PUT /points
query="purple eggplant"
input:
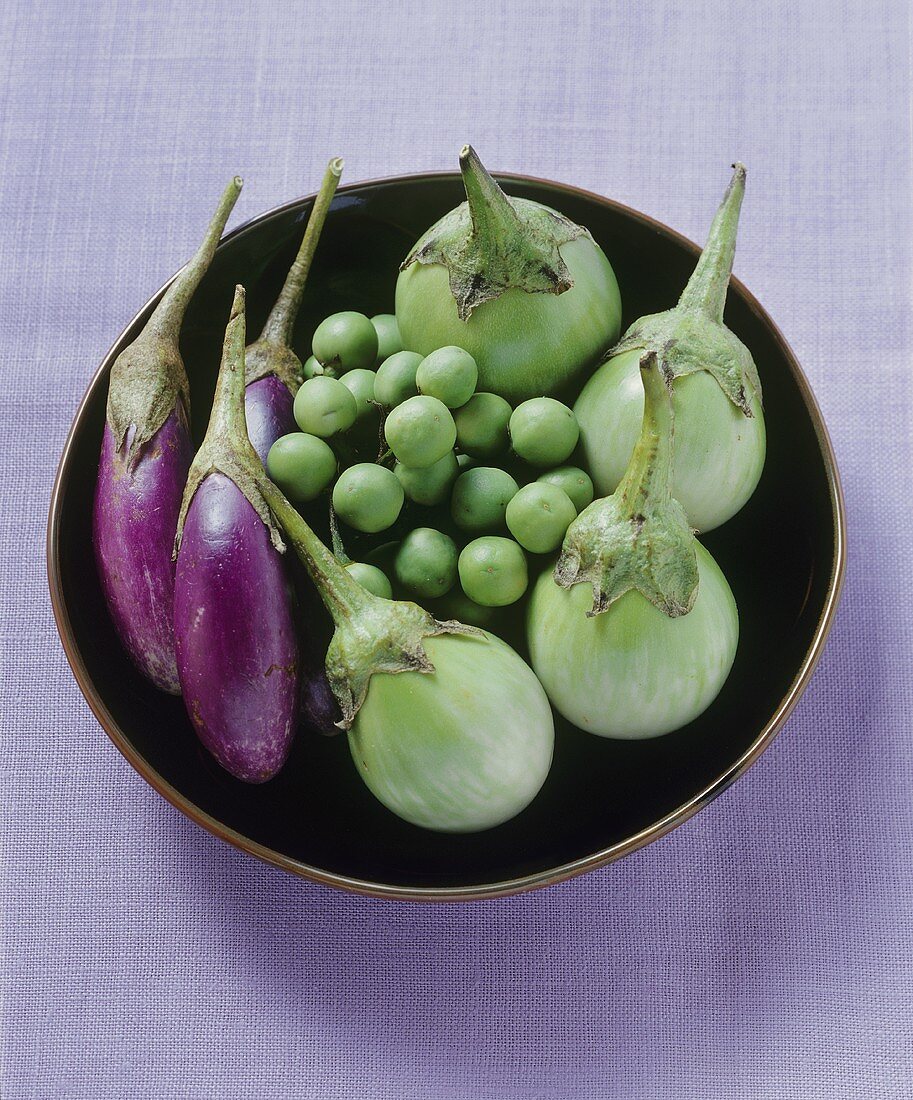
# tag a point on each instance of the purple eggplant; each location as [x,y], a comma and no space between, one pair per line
[319,708]
[272,369]
[273,373]
[145,457]
[269,405]
[236,644]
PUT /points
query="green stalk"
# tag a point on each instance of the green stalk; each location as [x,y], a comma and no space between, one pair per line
[372,636]
[494,220]
[227,420]
[691,337]
[638,539]
[165,322]
[647,482]
[342,595]
[491,244]
[281,321]
[339,550]
[148,379]
[706,289]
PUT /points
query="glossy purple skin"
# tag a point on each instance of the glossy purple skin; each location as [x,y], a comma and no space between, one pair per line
[268,407]
[237,650]
[319,708]
[133,523]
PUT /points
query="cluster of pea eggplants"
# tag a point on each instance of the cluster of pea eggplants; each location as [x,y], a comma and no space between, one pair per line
[631,633]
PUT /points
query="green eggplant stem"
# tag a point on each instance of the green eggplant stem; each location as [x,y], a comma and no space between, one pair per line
[706,289]
[165,322]
[639,537]
[647,481]
[281,320]
[372,635]
[227,419]
[493,217]
[491,244]
[343,596]
[148,380]
[692,337]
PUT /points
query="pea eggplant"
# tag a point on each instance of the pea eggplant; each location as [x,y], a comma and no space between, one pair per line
[273,370]
[145,457]
[720,440]
[634,634]
[236,644]
[529,294]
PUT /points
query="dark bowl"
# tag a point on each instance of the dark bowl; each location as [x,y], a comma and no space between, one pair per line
[783,555]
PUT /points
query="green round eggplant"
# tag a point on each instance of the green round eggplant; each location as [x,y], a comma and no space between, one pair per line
[461,749]
[632,672]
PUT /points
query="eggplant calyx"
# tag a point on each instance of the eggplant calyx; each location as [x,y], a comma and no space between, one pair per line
[638,538]
[689,342]
[148,382]
[220,459]
[491,243]
[692,337]
[266,357]
[148,377]
[226,448]
[386,637]
[617,552]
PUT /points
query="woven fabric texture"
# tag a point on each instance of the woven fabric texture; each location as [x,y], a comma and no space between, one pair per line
[764,949]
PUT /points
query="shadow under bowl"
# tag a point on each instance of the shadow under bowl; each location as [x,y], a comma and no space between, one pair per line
[783,555]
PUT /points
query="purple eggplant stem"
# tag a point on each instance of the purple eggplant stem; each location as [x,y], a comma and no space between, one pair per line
[268,404]
[133,523]
[236,645]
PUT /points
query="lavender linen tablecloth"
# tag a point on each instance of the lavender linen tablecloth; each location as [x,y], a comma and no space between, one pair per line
[762,950]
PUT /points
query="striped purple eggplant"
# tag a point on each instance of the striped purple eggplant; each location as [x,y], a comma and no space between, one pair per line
[145,457]
[272,369]
[236,644]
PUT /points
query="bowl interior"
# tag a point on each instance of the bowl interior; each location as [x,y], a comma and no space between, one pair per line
[316,816]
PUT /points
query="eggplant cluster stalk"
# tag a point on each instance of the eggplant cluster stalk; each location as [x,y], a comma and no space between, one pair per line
[394,669]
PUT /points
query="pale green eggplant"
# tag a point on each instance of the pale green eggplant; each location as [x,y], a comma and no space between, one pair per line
[720,440]
[635,633]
